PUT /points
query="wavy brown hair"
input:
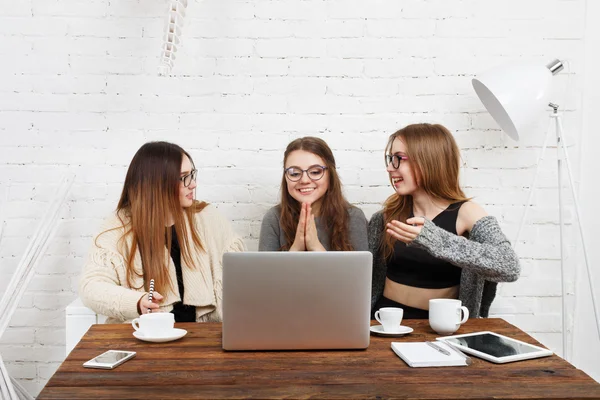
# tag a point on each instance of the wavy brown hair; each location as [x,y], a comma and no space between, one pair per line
[149,203]
[435,160]
[334,207]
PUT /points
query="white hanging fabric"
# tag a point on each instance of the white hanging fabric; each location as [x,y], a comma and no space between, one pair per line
[9,388]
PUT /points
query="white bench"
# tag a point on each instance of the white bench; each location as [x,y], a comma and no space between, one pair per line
[79,319]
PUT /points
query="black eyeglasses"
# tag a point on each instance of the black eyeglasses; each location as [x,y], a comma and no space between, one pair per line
[394,159]
[187,179]
[314,173]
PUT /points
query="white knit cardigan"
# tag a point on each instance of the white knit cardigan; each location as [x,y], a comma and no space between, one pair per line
[103,285]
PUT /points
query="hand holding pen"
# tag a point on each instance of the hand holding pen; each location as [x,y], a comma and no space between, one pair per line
[150,294]
[148,303]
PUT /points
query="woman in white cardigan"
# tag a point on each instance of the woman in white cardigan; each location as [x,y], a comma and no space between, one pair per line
[160,232]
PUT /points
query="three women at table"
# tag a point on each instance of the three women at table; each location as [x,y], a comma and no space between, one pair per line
[430,240]
[313,214]
[160,232]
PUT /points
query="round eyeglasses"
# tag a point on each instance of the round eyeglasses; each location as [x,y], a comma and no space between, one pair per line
[394,159]
[187,179]
[314,173]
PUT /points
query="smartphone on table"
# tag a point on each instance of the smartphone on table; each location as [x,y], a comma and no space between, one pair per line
[109,359]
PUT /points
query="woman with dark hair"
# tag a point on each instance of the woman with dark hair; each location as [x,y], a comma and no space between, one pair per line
[159,232]
[431,241]
[313,214]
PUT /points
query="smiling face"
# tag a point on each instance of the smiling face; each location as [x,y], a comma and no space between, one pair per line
[403,178]
[306,190]
[186,194]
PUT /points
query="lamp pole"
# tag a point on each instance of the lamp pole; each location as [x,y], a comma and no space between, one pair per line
[555,116]
[560,142]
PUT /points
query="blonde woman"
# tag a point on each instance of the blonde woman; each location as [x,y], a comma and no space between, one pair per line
[160,232]
[430,240]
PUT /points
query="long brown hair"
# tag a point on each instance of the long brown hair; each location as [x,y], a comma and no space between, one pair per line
[334,207]
[435,161]
[149,201]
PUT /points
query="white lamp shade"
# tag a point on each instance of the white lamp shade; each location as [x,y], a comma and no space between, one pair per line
[514,95]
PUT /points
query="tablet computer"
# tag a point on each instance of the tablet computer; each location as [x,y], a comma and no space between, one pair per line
[494,347]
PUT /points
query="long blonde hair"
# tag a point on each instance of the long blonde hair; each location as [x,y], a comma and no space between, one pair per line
[149,201]
[435,160]
[334,207]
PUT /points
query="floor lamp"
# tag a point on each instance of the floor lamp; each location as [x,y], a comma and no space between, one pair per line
[515,96]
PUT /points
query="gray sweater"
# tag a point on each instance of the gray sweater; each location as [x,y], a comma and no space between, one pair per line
[486,258]
[272,237]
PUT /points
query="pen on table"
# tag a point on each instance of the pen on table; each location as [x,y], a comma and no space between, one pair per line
[151,293]
[467,359]
[439,348]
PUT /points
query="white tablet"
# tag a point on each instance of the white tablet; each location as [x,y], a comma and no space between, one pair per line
[494,347]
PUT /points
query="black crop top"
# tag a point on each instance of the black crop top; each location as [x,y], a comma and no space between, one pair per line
[415,267]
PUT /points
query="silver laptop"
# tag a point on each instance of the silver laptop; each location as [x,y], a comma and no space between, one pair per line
[296,300]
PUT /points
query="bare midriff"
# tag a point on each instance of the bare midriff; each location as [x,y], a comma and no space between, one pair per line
[416,297]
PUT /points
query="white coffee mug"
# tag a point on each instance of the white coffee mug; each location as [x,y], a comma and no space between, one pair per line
[445,315]
[155,324]
[390,318]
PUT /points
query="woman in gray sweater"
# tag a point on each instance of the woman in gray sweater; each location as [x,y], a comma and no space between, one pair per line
[313,214]
[431,241]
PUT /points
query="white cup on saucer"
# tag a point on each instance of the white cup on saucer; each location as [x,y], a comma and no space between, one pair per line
[154,324]
[390,318]
[445,315]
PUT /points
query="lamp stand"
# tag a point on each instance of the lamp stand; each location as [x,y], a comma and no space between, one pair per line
[555,117]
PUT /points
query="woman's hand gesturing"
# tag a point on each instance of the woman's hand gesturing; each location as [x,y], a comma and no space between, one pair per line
[406,232]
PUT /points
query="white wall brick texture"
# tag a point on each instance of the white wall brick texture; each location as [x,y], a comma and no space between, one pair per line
[79,93]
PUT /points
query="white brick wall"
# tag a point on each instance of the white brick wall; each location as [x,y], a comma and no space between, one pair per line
[79,92]
[585,330]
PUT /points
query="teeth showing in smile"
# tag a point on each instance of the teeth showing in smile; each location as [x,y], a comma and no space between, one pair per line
[395,180]
[306,190]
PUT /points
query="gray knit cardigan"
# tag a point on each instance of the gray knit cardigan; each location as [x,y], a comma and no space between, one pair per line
[486,258]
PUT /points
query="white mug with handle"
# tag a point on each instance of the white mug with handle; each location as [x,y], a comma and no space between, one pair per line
[154,324]
[445,315]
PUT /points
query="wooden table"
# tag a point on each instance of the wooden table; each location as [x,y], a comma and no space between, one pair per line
[196,367]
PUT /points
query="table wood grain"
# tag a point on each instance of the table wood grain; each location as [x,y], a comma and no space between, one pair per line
[197,367]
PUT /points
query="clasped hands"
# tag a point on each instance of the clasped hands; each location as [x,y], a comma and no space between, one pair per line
[306,234]
[406,232]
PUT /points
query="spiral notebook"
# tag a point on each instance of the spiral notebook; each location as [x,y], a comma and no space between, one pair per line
[422,354]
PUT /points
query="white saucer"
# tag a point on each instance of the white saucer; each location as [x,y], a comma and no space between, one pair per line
[378,330]
[175,334]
